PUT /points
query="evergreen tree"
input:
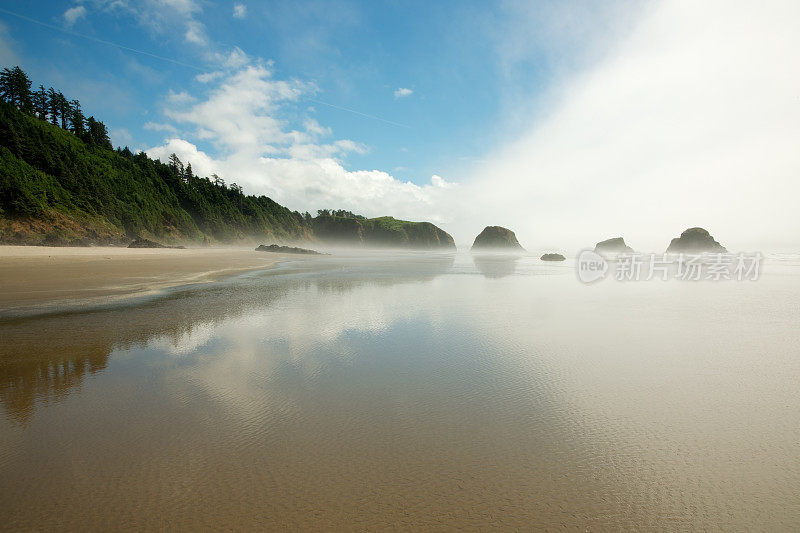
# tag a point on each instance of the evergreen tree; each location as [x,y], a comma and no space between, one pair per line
[77,120]
[40,103]
[239,192]
[97,134]
[15,88]
[91,125]
[175,165]
[113,192]
[53,105]
[8,89]
[23,84]
[65,110]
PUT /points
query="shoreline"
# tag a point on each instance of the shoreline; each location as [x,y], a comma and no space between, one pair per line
[36,279]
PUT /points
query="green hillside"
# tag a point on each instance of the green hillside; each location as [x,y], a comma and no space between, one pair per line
[62,183]
[380,232]
[56,188]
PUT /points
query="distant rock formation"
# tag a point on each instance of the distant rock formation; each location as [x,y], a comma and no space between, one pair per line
[286,250]
[381,232]
[695,240]
[553,257]
[140,242]
[498,238]
[613,246]
[338,230]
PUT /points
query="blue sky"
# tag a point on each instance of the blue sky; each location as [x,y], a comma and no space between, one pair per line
[569,122]
[356,54]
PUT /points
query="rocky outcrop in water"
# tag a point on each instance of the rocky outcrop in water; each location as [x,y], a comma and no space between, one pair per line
[695,241]
[496,237]
[613,246]
[553,257]
[286,250]
[141,242]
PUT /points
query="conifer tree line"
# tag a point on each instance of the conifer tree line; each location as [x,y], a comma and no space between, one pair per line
[57,164]
[51,105]
[341,213]
[192,184]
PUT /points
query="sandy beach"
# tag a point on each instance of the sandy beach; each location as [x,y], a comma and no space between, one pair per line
[33,277]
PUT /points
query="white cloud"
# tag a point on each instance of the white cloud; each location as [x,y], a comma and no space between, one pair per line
[155,126]
[234,59]
[402,92]
[202,164]
[241,116]
[438,181]
[182,6]
[7,54]
[346,145]
[239,11]
[209,76]
[164,17]
[74,14]
[195,33]
[181,98]
[240,112]
[314,127]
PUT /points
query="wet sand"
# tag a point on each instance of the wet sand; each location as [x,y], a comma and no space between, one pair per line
[380,392]
[33,277]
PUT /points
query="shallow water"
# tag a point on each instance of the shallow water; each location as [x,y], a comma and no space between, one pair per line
[424,391]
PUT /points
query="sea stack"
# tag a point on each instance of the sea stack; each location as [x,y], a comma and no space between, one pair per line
[695,241]
[141,242]
[498,238]
[613,246]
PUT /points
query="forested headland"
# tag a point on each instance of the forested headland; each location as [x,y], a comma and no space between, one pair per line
[63,183]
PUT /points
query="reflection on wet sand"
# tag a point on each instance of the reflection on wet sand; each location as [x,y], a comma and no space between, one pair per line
[26,380]
[378,394]
[335,401]
[496,265]
[43,358]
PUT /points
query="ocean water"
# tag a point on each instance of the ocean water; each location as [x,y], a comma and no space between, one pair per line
[427,391]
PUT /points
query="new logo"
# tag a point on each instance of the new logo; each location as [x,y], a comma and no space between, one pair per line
[591,266]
